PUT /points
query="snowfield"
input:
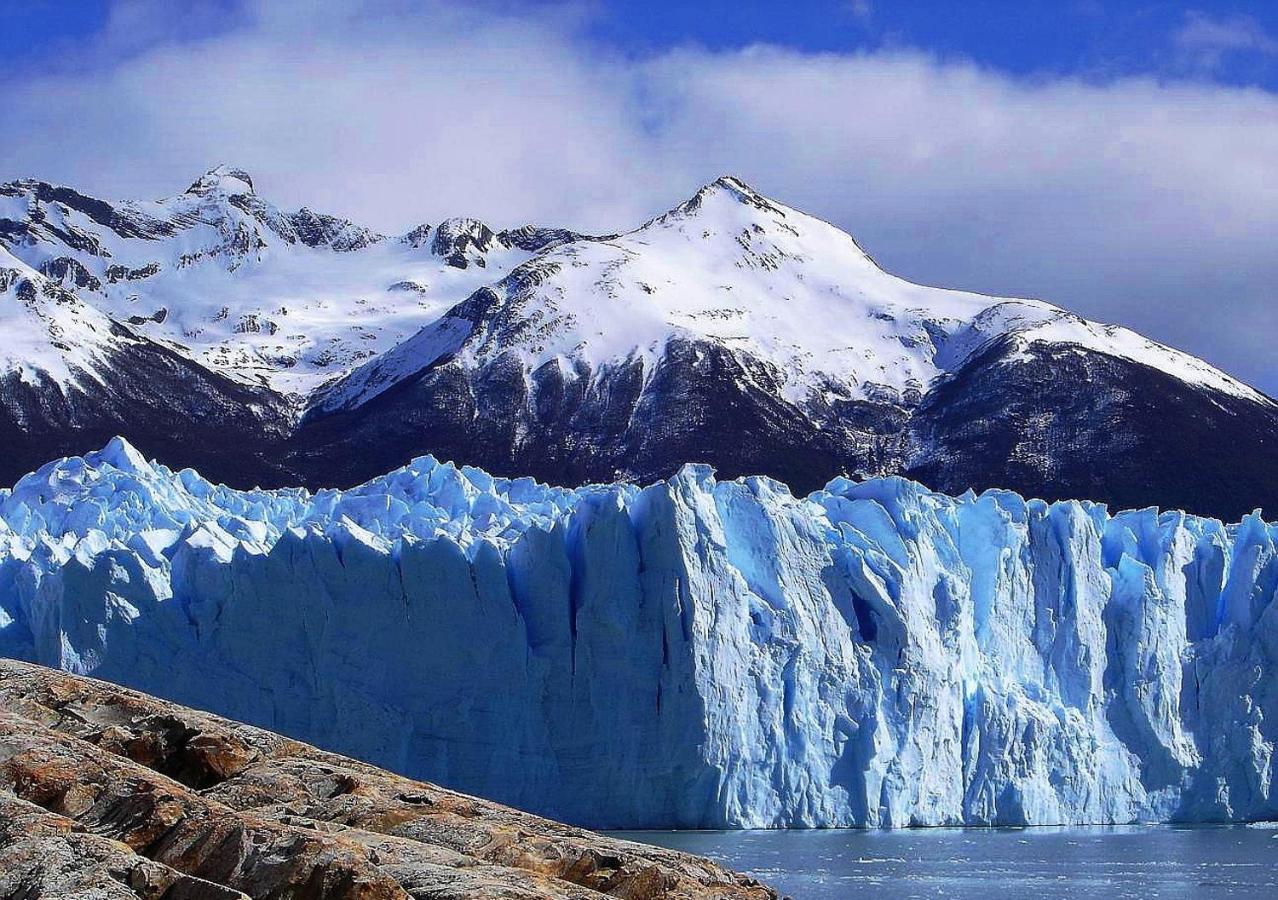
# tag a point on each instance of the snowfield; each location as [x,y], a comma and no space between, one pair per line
[295,301]
[288,300]
[694,653]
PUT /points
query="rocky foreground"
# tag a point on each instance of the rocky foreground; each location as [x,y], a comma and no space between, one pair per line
[109,793]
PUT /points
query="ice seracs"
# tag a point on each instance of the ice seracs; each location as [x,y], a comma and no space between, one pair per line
[695,653]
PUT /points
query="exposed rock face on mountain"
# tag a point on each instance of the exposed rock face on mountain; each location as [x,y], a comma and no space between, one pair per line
[1133,436]
[696,653]
[106,793]
[74,375]
[731,330]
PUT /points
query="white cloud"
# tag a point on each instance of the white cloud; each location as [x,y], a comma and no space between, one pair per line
[1206,45]
[389,120]
[1203,34]
[1134,201]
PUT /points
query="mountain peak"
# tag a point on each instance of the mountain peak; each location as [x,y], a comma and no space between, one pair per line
[462,241]
[732,184]
[222,179]
[734,188]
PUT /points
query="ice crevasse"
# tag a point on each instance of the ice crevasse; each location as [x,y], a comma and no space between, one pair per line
[694,653]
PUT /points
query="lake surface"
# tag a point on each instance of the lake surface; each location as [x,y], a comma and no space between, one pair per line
[983,864]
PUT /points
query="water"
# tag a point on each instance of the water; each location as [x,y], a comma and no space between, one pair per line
[984,864]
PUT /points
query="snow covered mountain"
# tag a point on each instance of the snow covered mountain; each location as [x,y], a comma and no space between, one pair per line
[794,293]
[280,300]
[693,653]
[731,330]
[71,375]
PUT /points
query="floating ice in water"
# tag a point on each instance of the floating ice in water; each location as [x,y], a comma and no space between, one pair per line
[693,653]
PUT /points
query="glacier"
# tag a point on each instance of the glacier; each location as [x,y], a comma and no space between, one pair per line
[693,653]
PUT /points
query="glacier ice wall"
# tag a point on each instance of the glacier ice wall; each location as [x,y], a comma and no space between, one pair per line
[691,654]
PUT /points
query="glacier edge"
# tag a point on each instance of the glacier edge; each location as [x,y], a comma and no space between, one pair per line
[694,653]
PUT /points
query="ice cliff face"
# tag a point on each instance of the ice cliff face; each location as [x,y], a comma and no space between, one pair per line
[693,653]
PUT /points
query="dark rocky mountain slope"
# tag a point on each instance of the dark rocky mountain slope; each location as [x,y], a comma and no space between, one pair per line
[266,347]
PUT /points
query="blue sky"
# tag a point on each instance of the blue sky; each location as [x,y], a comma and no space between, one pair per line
[1032,38]
[28,30]
[1035,38]
[1120,159]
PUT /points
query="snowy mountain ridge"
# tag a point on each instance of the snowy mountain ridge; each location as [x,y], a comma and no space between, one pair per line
[294,299]
[272,347]
[694,653]
[242,287]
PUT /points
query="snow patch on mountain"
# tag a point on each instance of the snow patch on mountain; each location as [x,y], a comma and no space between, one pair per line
[46,332]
